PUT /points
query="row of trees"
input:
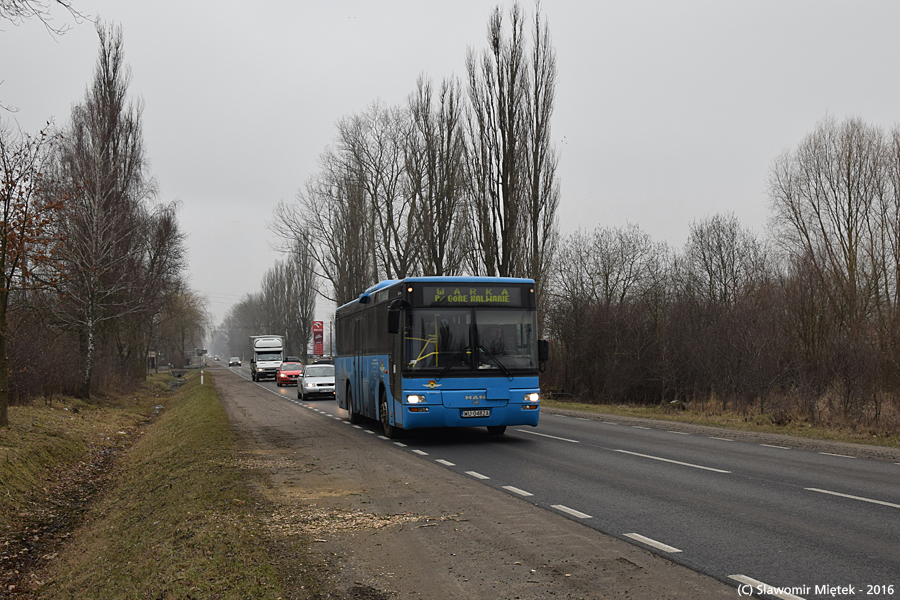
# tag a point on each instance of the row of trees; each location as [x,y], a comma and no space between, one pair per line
[458,179]
[92,267]
[805,321]
[462,180]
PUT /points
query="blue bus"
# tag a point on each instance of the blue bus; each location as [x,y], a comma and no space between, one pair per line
[440,352]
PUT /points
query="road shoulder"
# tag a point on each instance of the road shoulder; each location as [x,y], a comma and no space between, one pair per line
[387,524]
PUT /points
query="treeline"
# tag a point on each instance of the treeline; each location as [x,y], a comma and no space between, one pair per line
[800,322]
[92,266]
[459,178]
[804,323]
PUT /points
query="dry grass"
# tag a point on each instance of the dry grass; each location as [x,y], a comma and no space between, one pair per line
[178,519]
[712,414]
[43,445]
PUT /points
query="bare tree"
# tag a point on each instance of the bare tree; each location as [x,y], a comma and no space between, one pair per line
[498,87]
[608,291]
[103,178]
[17,11]
[513,192]
[822,198]
[332,218]
[722,261]
[26,214]
[303,292]
[543,186]
[373,144]
[289,297]
[718,274]
[833,213]
[182,326]
[435,174]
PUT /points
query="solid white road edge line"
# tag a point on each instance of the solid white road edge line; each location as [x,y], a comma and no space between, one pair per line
[651,542]
[883,503]
[676,462]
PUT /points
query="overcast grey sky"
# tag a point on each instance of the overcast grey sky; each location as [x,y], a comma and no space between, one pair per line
[667,112]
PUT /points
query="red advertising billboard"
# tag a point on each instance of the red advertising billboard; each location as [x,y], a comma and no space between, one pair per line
[318,338]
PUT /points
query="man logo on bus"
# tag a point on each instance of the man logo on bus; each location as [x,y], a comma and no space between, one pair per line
[432,384]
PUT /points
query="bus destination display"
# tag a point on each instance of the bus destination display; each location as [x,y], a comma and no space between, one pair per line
[479,295]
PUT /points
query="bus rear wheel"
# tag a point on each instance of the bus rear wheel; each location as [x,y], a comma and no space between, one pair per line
[496,429]
[390,431]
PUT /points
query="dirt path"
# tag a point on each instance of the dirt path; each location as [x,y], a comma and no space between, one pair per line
[386,524]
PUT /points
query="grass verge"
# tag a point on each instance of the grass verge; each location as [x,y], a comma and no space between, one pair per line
[732,420]
[178,519]
[53,458]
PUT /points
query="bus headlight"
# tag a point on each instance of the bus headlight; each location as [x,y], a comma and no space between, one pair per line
[415,399]
[533,397]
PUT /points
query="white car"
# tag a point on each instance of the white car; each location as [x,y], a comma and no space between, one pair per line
[234,361]
[317,381]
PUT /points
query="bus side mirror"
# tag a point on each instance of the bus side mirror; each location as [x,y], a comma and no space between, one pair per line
[543,351]
[393,320]
[394,315]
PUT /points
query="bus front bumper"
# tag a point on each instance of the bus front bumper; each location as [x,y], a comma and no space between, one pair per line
[437,415]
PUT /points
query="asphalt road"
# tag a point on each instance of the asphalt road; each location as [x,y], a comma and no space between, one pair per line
[787,521]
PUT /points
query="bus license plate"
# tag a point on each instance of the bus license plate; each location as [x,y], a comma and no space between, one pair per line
[476,413]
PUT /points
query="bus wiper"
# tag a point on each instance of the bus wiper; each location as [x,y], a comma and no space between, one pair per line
[497,362]
[452,363]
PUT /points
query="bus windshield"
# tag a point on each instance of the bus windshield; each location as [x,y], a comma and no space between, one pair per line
[458,340]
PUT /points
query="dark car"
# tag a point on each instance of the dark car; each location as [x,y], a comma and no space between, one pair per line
[234,361]
[288,373]
[317,381]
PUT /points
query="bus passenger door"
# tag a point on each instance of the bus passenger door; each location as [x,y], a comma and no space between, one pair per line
[355,375]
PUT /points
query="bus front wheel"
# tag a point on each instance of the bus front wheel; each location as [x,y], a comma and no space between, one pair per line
[390,431]
[497,429]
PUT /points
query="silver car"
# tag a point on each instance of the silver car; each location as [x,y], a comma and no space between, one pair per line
[317,381]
